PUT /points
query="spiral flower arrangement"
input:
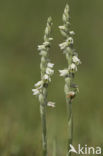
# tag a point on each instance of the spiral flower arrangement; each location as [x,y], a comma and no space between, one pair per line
[46,67]
[70,88]
[41,87]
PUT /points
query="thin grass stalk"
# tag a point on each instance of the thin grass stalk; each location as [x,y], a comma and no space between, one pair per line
[43,122]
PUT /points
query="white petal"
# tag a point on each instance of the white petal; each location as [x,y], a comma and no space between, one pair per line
[51,104]
[41,47]
[43,53]
[63,72]
[39,83]
[72,93]
[50,65]
[62,27]
[46,43]
[73,67]
[76,60]
[50,39]
[46,77]
[63,45]
[49,71]
[72,33]
[35,91]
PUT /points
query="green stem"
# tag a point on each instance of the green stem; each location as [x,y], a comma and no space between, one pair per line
[43,124]
[70,117]
[70,125]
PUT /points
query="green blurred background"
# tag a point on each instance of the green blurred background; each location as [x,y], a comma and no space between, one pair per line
[22,24]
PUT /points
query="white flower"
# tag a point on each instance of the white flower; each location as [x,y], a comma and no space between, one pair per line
[62,27]
[63,45]
[76,60]
[35,91]
[72,33]
[50,39]
[46,43]
[63,72]
[41,47]
[46,77]
[38,84]
[51,104]
[73,67]
[50,65]
[70,40]
[70,94]
[43,53]
[49,71]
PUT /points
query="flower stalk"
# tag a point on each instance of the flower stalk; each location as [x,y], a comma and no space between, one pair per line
[73,61]
[41,87]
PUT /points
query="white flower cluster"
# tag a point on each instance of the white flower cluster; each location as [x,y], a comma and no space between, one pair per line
[72,67]
[45,66]
[38,87]
[69,41]
[48,72]
[67,45]
[46,78]
[71,55]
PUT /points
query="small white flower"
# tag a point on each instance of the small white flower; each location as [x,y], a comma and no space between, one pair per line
[35,91]
[63,72]
[76,60]
[63,45]
[70,40]
[41,47]
[62,27]
[70,94]
[43,53]
[38,84]
[73,67]
[51,104]
[46,77]
[46,43]
[49,71]
[50,65]
[50,39]
[72,33]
